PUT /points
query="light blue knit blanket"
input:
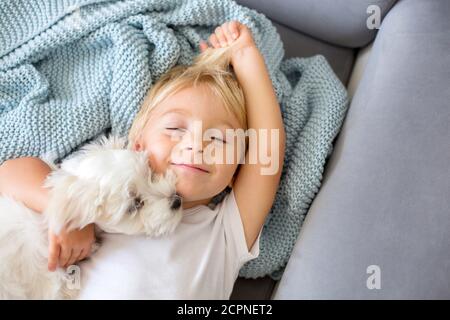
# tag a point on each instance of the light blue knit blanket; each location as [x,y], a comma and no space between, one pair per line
[71,69]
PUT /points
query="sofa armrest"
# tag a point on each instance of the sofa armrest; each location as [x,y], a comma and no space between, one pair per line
[385,197]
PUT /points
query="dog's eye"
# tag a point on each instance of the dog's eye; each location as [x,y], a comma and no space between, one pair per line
[137,204]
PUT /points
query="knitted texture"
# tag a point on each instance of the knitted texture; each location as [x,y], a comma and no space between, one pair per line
[72,69]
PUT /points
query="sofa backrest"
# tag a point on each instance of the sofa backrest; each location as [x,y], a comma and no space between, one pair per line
[339,22]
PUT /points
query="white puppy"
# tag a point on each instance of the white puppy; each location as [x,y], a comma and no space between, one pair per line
[104,183]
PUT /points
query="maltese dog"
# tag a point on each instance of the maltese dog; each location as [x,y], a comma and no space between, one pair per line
[104,183]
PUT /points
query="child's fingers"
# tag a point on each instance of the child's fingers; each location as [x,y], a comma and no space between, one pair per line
[233,28]
[53,255]
[214,41]
[76,254]
[203,46]
[84,254]
[227,33]
[65,256]
[221,37]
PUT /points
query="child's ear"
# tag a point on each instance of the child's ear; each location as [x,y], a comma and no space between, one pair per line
[137,146]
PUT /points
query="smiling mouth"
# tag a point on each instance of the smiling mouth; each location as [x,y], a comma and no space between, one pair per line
[190,167]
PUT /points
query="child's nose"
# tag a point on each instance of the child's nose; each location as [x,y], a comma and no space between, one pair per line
[196,143]
[195,149]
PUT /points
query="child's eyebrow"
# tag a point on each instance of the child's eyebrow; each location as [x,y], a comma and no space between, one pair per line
[178,110]
[184,112]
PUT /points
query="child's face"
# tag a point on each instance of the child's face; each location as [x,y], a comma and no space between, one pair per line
[172,137]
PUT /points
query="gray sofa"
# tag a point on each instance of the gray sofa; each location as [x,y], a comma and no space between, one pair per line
[379,228]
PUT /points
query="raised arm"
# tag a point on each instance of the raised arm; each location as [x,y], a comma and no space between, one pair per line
[256,183]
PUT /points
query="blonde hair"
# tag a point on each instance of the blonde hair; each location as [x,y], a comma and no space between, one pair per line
[212,68]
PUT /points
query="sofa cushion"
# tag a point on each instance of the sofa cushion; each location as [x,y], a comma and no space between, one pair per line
[340,22]
[382,216]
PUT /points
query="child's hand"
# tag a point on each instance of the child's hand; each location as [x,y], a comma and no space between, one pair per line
[232,33]
[69,248]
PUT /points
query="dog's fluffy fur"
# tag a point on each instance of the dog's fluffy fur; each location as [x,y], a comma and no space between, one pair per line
[104,183]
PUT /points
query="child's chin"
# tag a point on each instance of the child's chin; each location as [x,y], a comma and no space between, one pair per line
[186,193]
[189,196]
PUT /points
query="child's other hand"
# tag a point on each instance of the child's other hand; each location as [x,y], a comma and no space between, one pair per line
[231,33]
[70,247]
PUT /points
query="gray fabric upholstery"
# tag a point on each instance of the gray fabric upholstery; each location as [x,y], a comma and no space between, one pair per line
[385,197]
[297,44]
[340,22]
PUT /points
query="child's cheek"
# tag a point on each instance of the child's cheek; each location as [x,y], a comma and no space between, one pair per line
[159,154]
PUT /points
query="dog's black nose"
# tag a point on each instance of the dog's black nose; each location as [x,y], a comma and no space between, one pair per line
[176,202]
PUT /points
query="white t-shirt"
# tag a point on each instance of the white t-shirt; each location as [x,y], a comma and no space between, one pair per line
[199,260]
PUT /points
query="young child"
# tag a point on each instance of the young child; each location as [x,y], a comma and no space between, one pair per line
[184,116]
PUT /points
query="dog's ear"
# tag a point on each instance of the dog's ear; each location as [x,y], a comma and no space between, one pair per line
[166,181]
[70,203]
[171,176]
[153,177]
[113,142]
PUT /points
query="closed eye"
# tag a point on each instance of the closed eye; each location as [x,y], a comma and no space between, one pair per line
[218,139]
[136,204]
